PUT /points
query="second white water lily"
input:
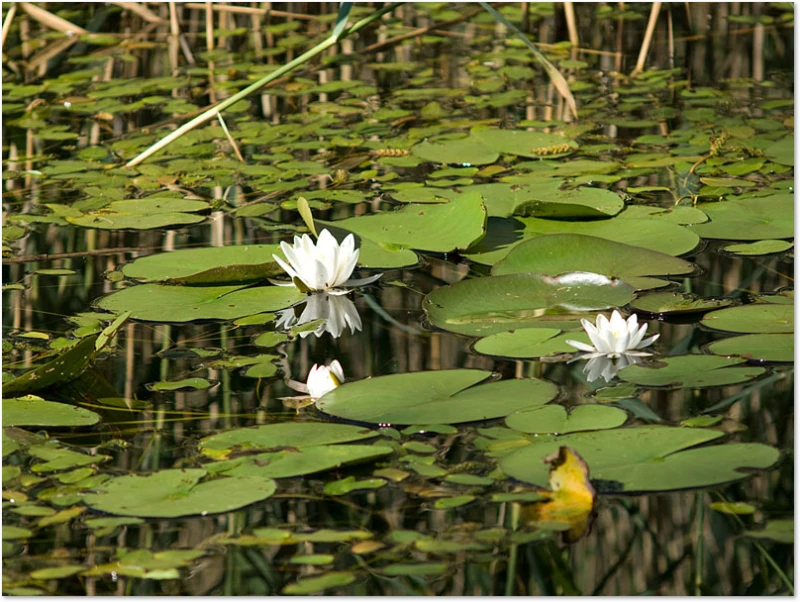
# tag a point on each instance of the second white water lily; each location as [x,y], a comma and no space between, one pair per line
[324,266]
[321,380]
[615,337]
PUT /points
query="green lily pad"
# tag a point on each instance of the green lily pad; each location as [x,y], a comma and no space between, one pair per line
[760,347]
[297,462]
[35,411]
[524,143]
[462,151]
[549,201]
[529,343]
[560,253]
[781,151]
[13,532]
[164,303]
[282,435]
[762,318]
[443,396]
[646,458]
[555,419]
[186,384]
[414,570]
[439,228]
[675,303]
[142,214]
[212,265]
[57,572]
[484,306]
[312,585]
[691,371]
[749,218]
[173,492]
[761,247]
[778,530]
[653,234]
[312,559]
[733,507]
[453,502]
[348,484]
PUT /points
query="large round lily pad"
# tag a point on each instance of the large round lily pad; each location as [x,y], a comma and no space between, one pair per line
[550,201]
[462,151]
[173,492]
[554,419]
[35,411]
[437,397]
[647,458]
[163,303]
[761,347]
[760,247]
[691,371]
[142,214]
[439,228]
[282,435]
[756,318]
[483,306]
[749,218]
[523,143]
[210,265]
[559,253]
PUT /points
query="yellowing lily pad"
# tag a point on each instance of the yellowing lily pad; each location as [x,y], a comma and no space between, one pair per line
[35,411]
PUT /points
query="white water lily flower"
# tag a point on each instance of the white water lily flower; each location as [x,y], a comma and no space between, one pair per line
[321,380]
[336,311]
[324,266]
[615,337]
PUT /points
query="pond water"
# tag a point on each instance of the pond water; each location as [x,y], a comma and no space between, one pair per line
[154,438]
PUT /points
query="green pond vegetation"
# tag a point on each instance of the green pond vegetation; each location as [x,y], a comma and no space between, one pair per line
[506,172]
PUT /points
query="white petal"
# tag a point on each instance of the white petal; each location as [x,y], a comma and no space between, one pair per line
[580,346]
[286,267]
[648,341]
[354,282]
[337,370]
[636,337]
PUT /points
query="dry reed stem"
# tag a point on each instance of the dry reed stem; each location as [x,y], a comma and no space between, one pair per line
[245,10]
[648,38]
[7,23]
[48,19]
[141,10]
[572,26]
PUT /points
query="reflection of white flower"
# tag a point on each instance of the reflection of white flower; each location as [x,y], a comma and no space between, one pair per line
[324,379]
[607,367]
[321,267]
[615,337]
[337,312]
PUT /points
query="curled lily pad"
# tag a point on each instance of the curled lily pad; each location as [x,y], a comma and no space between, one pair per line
[673,303]
[690,371]
[212,265]
[35,411]
[555,419]
[484,306]
[560,253]
[163,303]
[749,218]
[550,201]
[443,396]
[647,458]
[172,492]
[761,347]
[766,318]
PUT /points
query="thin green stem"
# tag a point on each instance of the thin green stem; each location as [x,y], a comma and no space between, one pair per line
[700,547]
[511,573]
